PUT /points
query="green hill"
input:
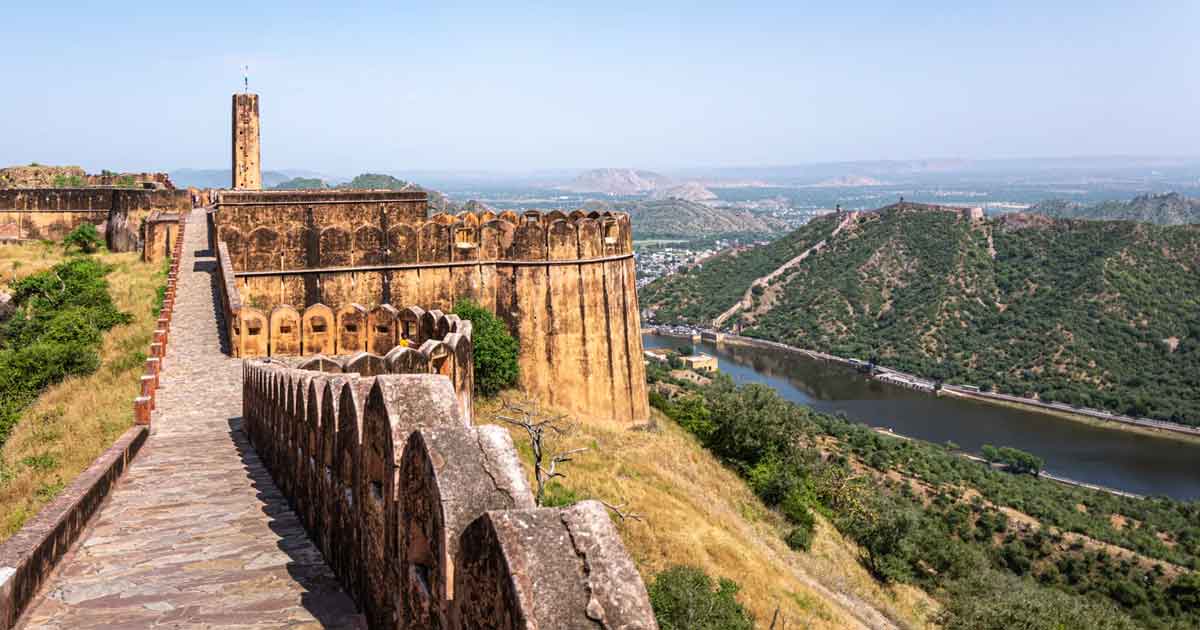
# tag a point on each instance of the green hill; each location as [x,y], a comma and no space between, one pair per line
[680,218]
[1104,314]
[697,295]
[300,183]
[1165,209]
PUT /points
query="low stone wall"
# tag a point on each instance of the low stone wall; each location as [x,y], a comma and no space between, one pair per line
[51,213]
[428,521]
[29,557]
[143,405]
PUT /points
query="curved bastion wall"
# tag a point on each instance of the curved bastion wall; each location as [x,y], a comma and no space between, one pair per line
[565,284]
[428,521]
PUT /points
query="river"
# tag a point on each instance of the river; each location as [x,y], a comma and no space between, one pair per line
[1142,464]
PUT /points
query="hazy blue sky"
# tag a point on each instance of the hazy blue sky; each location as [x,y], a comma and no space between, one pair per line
[397,85]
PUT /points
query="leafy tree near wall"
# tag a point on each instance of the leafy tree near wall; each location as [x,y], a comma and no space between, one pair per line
[86,238]
[496,350]
[55,333]
[684,598]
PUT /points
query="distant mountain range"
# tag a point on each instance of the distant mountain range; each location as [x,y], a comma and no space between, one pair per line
[691,191]
[618,181]
[680,218]
[1164,209]
[220,177]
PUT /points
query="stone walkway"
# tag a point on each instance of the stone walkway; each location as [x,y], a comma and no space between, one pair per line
[196,535]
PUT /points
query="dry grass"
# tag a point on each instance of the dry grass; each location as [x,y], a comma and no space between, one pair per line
[71,423]
[697,512]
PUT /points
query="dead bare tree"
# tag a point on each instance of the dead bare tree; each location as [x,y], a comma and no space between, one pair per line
[545,431]
[777,618]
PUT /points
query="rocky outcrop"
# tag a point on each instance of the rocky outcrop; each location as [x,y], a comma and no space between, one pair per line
[617,181]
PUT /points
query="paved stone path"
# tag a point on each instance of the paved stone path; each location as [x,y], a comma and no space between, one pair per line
[195,535]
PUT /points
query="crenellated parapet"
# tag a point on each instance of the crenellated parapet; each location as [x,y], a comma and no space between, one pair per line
[564,283]
[372,232]
[382,340]
[427,520]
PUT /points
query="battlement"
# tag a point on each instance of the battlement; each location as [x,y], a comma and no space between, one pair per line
[427,521]
[563,283]
[271,234]
[51,213]
[383,340]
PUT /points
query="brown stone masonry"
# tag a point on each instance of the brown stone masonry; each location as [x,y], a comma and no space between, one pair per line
[51,213]
[428,521]
[247,166]
[564,284]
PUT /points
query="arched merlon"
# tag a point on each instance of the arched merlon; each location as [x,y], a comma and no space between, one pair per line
[427,521]
[565,286]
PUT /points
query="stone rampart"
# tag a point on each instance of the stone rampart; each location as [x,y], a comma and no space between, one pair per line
[428,521]
[565,284]
[51,213]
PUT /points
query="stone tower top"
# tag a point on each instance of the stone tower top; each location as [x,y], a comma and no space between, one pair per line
[247,168]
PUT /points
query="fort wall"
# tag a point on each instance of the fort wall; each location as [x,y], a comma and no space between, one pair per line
[428,521]
[51,213]
[564,284]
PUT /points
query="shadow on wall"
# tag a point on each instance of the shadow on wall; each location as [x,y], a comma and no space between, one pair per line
[426,520]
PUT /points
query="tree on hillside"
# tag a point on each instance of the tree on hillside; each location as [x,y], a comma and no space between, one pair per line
[546,431]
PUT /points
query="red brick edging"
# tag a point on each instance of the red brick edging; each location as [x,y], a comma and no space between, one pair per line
[27,558]
[143,405]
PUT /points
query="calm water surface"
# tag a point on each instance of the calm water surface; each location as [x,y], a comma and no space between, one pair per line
[1127,461]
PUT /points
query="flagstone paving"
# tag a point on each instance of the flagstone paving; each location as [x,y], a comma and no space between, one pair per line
[195,535]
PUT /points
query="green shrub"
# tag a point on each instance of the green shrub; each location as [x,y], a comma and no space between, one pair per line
[85,237]
[495,349]
[558,495]
[684,598]
[55,332]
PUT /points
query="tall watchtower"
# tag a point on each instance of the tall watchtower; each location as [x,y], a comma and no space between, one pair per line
[247,169]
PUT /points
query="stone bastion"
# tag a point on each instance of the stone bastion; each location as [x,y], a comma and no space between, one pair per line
[428,521]
[331,272]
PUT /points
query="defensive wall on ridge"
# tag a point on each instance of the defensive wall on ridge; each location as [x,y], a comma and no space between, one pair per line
[428,521]
[564,283]
[51,213]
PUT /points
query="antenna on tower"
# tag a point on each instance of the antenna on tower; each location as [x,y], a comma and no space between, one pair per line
[246,78]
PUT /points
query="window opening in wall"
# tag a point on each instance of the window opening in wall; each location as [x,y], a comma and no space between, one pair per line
[318,324]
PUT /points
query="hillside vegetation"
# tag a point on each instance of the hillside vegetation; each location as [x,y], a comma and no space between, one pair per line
[680,218]
[1165,209]
[696,512]
[697,295]
[999,550]
[1103,314]
[60,431]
